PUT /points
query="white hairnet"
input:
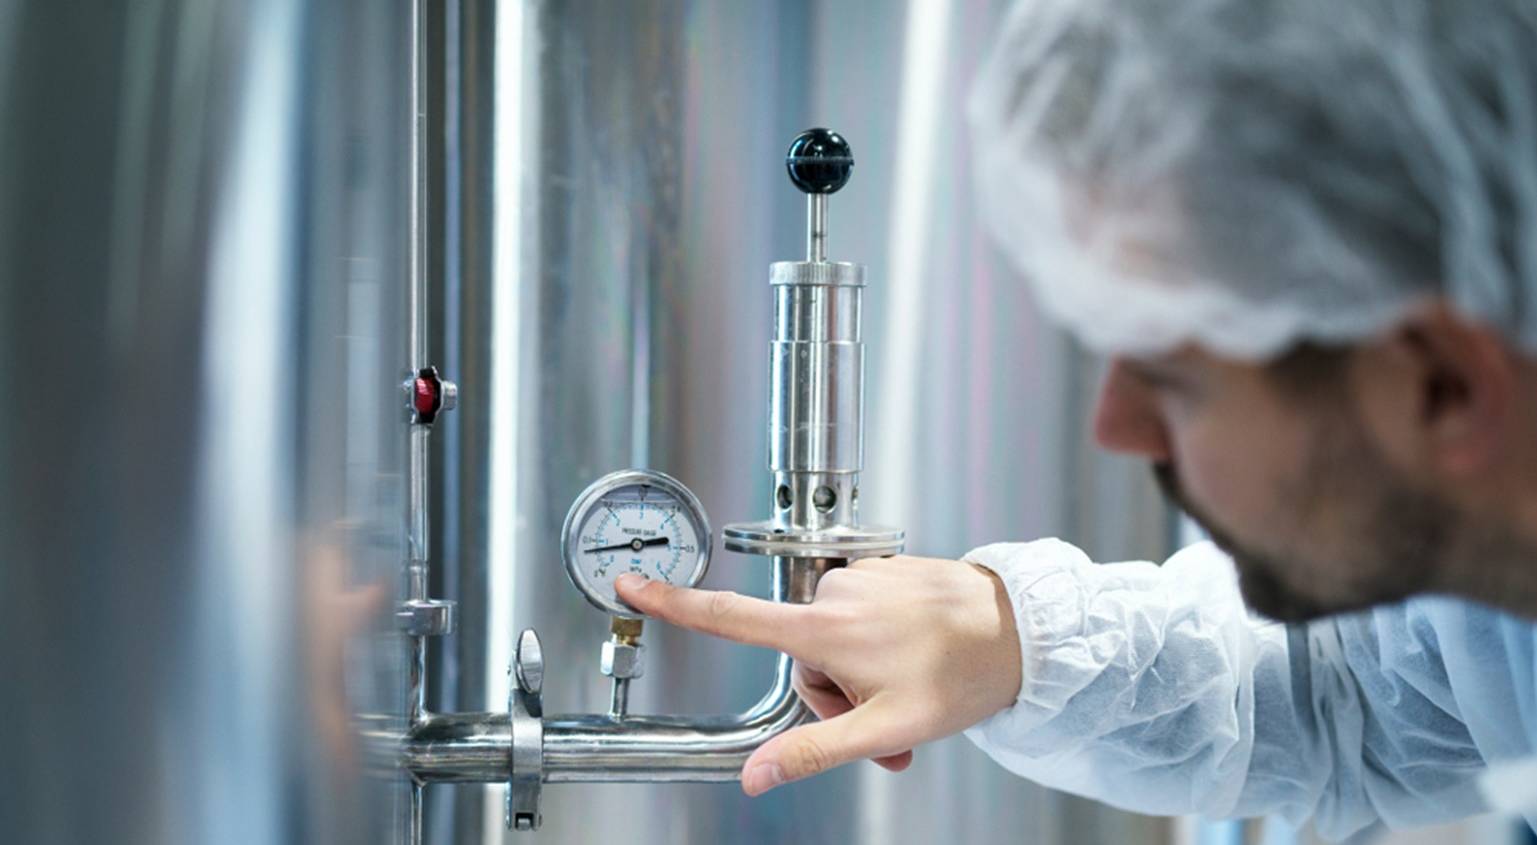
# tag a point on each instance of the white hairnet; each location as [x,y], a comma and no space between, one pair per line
[1247,174]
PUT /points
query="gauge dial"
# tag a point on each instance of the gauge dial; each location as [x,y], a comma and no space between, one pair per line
[639,521]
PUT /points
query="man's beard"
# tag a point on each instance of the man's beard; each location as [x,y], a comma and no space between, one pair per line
[1399,535]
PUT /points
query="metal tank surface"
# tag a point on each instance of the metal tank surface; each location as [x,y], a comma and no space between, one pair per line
[202,293]
[612,199]
[253,592]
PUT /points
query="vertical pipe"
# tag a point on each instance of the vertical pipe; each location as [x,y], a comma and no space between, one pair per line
[416,567]
[416,581]
[414,821]
[619,700]
[417,246]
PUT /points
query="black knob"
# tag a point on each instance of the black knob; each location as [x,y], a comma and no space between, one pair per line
[819,161]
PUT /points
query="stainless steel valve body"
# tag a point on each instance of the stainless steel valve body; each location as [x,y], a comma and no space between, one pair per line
[816,419]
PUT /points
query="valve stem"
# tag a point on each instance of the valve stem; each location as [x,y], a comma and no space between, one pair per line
[816,227]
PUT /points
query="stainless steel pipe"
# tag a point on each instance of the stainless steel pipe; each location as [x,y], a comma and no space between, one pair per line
[459,748]
[585,748]
[416,304]
[477,747]
[417,540]
[416,309]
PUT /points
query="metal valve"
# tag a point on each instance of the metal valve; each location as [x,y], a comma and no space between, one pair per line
[816,385]
[430,394]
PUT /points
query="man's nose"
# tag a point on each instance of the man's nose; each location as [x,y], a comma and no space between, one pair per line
[1127,419]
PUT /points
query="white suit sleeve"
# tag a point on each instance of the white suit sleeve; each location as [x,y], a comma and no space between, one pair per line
[1153,689]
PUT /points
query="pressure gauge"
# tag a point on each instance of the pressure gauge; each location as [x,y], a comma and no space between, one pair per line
[634,520]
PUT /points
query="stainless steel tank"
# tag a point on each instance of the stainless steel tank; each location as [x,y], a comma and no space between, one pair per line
[201,311]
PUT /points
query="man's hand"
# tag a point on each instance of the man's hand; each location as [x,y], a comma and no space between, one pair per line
[893,653]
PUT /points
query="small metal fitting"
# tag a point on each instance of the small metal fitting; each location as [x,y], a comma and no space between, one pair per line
[625,629]
[623,660]
[526,703]
[426,617]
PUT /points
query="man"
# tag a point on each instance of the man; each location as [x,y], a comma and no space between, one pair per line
[1305,231]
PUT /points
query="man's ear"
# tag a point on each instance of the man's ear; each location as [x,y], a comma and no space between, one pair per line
[1462,380]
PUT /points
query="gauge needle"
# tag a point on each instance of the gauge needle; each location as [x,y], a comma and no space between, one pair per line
[634,545]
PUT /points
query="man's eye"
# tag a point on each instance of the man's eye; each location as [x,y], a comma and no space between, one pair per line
[1164,383]
[1155,379]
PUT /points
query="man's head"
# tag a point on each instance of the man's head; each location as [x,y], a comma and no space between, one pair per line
[1342,477]
[1306,234]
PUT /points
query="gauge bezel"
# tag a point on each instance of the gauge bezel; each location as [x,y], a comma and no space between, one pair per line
[590,497]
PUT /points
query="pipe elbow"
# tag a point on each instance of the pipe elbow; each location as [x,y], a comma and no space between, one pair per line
[586,748]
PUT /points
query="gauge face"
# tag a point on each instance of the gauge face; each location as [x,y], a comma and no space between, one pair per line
[639,521]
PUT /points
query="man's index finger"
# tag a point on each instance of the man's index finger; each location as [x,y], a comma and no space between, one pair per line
[720,613]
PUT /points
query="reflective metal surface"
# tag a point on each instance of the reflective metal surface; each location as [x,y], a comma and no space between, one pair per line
[427,394]
[816,400]
[620,319]
[590,748]
[663,749]
[203,226]
[816,396]
[601,748]
[460,748]
[526,701]
[204,220]
[201,297]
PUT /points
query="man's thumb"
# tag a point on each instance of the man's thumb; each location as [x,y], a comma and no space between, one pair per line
[869,730]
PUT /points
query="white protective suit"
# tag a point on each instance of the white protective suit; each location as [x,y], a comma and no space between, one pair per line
[1245,175]
[1153,689]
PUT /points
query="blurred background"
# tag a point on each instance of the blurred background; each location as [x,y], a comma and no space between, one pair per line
[203,272]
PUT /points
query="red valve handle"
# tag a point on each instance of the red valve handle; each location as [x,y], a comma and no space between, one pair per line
[425,400]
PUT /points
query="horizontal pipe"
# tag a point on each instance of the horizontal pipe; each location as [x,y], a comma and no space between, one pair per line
[657,749]
[459,748]
[477,747]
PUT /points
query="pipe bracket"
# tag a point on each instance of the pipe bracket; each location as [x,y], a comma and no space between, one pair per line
[427,617]
[526,703]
